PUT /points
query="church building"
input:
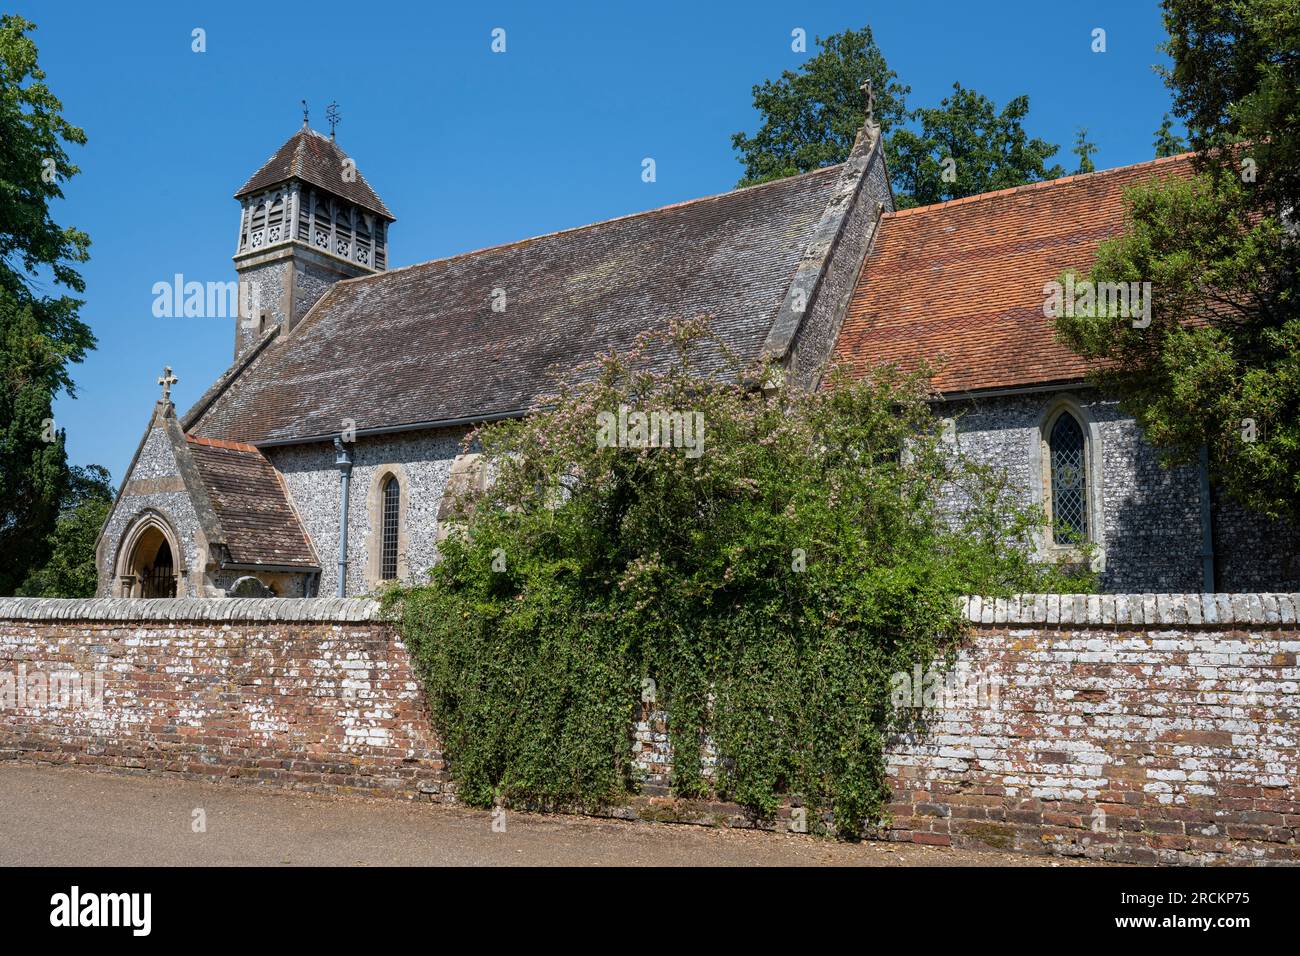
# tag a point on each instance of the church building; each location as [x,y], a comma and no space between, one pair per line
[319,461]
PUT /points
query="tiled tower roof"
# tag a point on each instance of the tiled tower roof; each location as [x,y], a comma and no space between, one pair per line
[316,159]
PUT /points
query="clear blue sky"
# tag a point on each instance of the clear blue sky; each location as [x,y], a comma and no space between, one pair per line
[470,148]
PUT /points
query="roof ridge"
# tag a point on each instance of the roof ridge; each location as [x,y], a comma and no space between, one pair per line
[1041,184]
[593,225]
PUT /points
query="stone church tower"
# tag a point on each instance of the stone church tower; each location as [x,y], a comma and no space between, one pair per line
[307,219]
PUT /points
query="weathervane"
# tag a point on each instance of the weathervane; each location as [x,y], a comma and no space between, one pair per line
[304,114]
[332,114]
[871,100]
[167,380]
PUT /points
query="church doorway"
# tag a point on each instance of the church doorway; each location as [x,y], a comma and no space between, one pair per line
[158,575]
[149,568]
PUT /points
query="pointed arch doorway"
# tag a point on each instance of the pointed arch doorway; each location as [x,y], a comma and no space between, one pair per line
[157,575]
[148,565]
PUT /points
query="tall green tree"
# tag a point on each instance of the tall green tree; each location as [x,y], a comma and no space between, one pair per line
[966,146]
[1235,79]
[1167,143]
[71,570]
[41,333]
[1084,148]
[811,117]
[1219,363]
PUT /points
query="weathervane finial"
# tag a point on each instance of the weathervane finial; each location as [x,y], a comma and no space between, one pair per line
[304,114]
[332,114]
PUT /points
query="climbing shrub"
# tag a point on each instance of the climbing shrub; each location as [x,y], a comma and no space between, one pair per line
[769,579]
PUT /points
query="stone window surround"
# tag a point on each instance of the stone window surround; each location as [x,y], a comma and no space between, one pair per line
[125,583]
[1041,490]
[375,526]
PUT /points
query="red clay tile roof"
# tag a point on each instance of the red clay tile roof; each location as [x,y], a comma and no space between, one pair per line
[315,159]
[221,443]
[252,506]
[423,344]
[963,280]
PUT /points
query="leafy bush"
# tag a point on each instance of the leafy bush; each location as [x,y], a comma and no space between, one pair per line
[769,582]
[71,570]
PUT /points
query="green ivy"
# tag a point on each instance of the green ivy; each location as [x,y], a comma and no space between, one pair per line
[770,585]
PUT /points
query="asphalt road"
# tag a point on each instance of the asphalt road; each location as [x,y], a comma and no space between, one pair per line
[73,817]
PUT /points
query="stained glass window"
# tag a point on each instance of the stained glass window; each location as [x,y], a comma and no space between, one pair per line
[1069,481]
[388,551]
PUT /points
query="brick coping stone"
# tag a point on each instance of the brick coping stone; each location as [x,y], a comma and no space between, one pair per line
[1101,610]
[339,610]
[1141,610]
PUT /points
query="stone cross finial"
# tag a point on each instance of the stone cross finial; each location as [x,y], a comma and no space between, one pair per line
[167,380]
[871,100]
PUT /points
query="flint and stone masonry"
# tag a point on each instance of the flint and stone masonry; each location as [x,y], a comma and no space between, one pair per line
[809,272]
[1146,728]
[1145,516]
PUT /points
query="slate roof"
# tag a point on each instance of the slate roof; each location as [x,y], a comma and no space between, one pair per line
[316,159]
[963,280]
[422,344]
[252,505]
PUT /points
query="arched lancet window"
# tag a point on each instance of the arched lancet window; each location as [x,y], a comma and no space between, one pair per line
[1069,480]
[388,552]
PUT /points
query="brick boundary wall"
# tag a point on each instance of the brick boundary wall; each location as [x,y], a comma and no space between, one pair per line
[1157,729]
[314,695]
[1127,728]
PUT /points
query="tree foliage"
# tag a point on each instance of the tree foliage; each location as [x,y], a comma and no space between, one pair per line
[962,147]
[811,117]
[769,586]
[1084,149]
[1167,142]
[40,333]
[33,165]
[70,570]
[1236,78]
[1219,364]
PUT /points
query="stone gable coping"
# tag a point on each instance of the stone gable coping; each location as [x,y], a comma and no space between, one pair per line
[1042,610]
[328,610]
[807,279]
